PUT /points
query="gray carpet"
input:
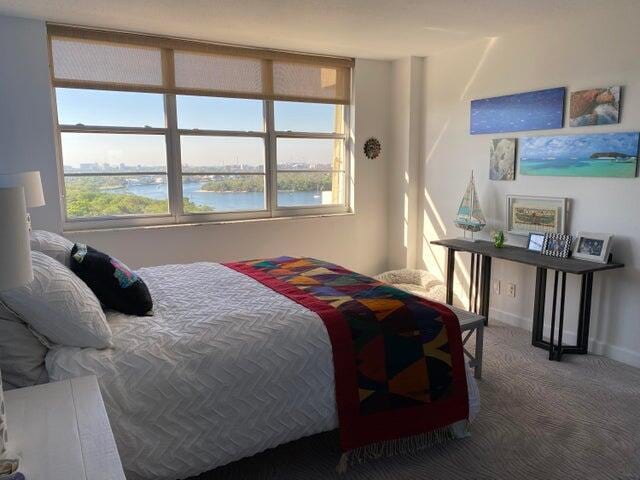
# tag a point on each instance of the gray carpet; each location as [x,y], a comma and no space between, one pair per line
[579,419]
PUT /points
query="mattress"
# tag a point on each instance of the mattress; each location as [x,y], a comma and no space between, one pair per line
[225,368]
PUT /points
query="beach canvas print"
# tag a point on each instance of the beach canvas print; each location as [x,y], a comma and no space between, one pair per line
[597,106]
[539,110]
[502,159]
[597,155]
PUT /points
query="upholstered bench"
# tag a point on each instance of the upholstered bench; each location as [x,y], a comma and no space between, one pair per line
[427,285]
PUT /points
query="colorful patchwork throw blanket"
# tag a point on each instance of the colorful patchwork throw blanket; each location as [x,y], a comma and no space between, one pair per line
[398,358]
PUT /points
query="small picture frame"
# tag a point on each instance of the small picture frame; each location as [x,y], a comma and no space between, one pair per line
[556,245]
[535,242]
[594,247]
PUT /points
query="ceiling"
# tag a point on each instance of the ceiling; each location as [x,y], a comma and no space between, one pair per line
[384,29]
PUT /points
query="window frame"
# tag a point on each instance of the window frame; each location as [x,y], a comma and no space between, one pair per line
[176,214]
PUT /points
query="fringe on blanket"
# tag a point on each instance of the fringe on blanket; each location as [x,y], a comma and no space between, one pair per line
[398,446]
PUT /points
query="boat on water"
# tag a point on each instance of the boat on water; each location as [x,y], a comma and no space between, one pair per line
[544,217]
[623,160]
[470,217]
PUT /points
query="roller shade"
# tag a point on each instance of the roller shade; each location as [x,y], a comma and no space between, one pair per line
[86,58]
[218,73]
[304,80]
[106,62]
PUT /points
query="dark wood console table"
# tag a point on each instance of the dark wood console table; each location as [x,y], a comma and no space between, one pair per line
[480,287]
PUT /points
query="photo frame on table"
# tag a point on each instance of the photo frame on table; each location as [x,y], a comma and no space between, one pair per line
[556,245]
[594,247]
[535,242]
[528,214]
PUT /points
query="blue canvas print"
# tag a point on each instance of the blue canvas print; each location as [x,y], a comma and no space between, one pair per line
[540,110]
[597,155]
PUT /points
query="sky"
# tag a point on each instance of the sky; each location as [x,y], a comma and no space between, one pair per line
[94,107]
[578,146]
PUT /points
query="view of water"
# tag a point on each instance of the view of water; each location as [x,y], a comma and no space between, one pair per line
[223,201]
[585,167]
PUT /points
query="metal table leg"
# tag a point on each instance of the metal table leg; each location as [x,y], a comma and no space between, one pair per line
[485,288]
[451,260]
[538,308]
[480,285]
[553,314]
[555,346]
[584,317]
[473,284]
[558,352]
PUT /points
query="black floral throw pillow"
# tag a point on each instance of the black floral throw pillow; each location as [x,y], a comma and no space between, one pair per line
[114,284]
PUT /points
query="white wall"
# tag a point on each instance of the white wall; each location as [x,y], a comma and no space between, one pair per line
[357,241]
[586,52]
[406,154]
[26,130]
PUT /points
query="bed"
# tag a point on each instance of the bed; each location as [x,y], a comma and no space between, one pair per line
[225,368]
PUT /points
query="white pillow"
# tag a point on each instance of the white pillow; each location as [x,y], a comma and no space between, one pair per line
[21,353]
[52,245]
[60,306]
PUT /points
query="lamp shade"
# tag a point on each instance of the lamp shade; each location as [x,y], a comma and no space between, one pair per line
[32,186]
[15,247]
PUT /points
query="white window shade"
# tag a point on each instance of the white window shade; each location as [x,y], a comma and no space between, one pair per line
[310,81]
[84,58]
[109,63]
[217,73]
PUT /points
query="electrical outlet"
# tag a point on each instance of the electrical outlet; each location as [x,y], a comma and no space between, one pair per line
[496,287]
[511,290]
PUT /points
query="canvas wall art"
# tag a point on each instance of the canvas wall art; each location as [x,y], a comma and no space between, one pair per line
[596,155]
[502,159]
[539,110]
[597,106]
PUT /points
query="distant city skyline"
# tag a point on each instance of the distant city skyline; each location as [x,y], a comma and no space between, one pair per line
[91,107]
[97,167]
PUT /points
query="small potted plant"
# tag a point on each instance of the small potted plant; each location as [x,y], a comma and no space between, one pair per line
[498,238]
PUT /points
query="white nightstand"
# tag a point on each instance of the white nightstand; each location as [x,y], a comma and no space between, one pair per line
[62,432]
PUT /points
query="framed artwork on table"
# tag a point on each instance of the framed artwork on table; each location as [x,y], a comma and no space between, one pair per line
[526,214]
[556,245]
[535,242]
[594,247]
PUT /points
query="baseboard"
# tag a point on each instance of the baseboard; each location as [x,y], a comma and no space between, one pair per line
[621,354]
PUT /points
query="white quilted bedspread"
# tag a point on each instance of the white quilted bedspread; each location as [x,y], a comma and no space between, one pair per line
[225,368]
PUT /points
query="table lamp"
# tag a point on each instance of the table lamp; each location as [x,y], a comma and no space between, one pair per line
[15,262]
[32,184]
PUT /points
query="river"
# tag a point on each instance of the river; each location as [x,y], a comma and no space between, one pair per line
[222,201]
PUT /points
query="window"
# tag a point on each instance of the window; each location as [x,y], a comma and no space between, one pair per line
[310,149]
[114,151]
[160,131]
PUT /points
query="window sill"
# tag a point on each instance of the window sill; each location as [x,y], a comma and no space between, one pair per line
[206,223]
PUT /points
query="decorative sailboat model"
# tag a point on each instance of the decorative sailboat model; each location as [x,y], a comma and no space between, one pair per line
[470,217]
